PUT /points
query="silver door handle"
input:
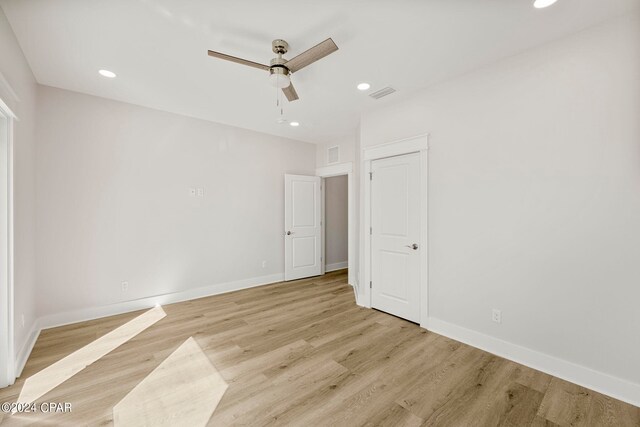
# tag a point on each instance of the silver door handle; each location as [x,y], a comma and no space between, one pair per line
[289,233]
[414,246]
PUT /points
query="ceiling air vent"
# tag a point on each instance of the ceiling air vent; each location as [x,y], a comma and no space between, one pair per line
[382,92]
[333,154]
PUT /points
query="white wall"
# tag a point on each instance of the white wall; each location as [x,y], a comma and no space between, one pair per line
[113,201]
[347,147]
[19,93]
[534,196]
[336,220]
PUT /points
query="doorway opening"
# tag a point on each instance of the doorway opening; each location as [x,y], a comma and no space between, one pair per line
[334,178]
[336,223]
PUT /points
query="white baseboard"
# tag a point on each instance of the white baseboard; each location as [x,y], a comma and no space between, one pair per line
[25,350]
[74,316]
[600,382]
[336,266]
[84,314]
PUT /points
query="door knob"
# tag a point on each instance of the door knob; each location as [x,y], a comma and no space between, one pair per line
[414,246]
[289,233]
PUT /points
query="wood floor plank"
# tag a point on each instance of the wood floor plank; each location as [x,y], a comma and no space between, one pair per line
[569,404]
[303,353]
[518,407]
[392,415]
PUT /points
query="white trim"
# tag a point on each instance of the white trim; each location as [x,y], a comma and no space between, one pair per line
[586,377]
[83,314]
[323,214]
[11,249]
[336,266]
[4,83]
[338,170]
[417,144]
[424,233]
[27,347]
[396,148]
[335,170]
[7,328]
[5,108]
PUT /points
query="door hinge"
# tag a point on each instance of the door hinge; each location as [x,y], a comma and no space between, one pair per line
[371,230]
[370,284]
[370,176]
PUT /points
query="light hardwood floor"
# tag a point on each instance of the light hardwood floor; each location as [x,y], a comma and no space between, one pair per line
[302,353]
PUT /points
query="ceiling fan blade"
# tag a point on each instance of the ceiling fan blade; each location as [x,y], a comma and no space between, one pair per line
[238,60]
[312,55]
[290,92]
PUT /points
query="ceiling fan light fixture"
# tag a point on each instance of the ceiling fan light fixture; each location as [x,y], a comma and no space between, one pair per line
[279,80]
[541,4]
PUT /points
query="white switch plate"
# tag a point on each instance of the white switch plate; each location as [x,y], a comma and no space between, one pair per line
[200,192]
[264,264]
[125,286]
[496,315]
[192,192]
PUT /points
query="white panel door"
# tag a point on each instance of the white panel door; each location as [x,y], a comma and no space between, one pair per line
[395,236]
[303,232]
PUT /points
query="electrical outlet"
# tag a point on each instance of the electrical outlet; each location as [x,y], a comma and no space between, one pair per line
[264,264]
[125,286]
[200,192]
[496,315]
[192,192]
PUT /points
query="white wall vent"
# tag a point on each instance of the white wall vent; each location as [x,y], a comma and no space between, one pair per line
[333,154]
[382,92]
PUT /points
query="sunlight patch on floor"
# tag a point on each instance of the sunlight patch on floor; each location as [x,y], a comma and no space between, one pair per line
[184,389]
[50,377]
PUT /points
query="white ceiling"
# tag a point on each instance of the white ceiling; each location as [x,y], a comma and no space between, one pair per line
[158,48]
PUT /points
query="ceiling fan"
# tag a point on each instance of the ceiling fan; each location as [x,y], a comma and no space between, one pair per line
[281,69]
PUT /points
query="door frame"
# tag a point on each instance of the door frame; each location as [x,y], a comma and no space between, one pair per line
[7,351]
[416,144]
[340,169]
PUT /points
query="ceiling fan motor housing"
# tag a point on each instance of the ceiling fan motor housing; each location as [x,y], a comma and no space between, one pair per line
[279,46]
[278,66]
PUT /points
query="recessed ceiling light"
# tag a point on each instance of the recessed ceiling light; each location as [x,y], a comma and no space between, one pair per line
[364,86]
[108,74]
[294,124]
[541,4]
